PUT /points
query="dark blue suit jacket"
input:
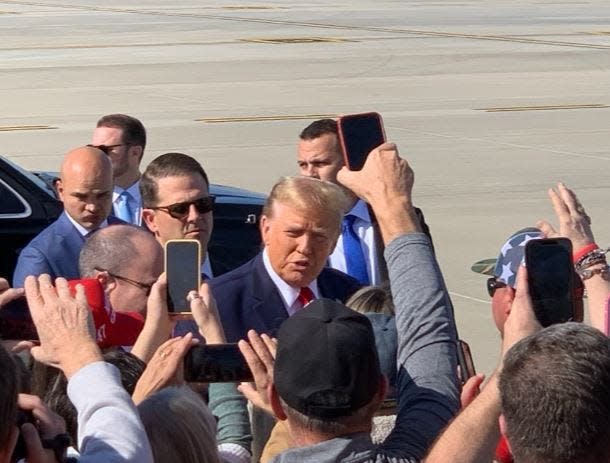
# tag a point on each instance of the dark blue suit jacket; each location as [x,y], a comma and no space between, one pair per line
[54,251]
[248,299]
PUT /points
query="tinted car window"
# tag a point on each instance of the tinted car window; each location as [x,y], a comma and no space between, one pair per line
[10,203]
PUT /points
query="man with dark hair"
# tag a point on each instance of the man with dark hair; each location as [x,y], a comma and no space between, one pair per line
[359,249]
[326,381]
[555,396]
[176,205]
[85,188]
[123,139]
[176,201]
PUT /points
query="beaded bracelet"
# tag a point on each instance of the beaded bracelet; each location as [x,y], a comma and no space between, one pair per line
[585,260]
[585,274]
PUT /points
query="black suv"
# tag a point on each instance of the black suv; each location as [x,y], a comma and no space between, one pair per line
[28,204]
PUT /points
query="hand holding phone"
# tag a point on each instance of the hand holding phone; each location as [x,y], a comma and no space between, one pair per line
[183,270]
[359,134]
[551,279]
[216,363]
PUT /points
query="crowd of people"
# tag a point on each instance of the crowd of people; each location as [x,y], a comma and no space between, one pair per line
[343,318]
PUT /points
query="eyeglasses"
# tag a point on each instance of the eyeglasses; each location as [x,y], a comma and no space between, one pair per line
[146,287]
[181,210]
[493,284]
[108,148]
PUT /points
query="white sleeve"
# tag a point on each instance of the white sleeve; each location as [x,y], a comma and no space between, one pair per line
[109,427]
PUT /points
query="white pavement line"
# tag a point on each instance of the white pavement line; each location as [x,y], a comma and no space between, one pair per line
[452,293]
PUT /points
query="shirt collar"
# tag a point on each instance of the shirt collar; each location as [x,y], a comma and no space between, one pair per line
[133,190]
[288,293]
[82,230]
[361,211]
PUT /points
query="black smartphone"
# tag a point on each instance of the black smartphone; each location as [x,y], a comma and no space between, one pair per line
[16,322]
[551,279]
[465,361]
[216,363]
[183,271]
[359,134]
[20,451]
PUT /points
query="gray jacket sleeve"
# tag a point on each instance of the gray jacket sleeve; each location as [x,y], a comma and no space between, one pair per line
[230,406]
[109,427]
[427,390]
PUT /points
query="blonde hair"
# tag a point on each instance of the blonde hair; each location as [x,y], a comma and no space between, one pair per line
[372,299]
[180,427]
[307,193]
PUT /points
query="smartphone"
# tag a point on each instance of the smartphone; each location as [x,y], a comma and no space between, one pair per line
[359,134]
[216,363]
[551,279]
[20,450]
[16,322]
[183,271]
[465,361]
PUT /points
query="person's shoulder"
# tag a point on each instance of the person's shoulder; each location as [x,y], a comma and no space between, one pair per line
[235,276]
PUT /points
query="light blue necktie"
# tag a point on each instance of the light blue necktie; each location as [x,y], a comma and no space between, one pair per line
[354,257]
[123,211]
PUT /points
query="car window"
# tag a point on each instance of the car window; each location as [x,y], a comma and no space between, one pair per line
[33,178]
[11,204]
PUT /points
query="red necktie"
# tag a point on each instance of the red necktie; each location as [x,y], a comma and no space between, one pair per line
[306,295]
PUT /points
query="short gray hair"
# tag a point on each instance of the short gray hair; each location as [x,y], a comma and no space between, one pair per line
[180,427]
[110,249]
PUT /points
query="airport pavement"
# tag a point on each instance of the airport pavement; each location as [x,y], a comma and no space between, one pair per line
[492,102]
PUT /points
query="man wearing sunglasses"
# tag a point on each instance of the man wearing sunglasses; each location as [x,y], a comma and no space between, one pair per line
[123,139]
[176,201]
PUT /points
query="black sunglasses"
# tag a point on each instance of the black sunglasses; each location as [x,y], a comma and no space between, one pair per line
[181,210]
[107,148]
[146,287]
[493,284]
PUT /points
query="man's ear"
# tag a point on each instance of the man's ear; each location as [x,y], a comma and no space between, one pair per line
[108,283]
[265,225]
[510,297]
[59,188]
[137,152]
[148,218]
[276,405]
[503,431]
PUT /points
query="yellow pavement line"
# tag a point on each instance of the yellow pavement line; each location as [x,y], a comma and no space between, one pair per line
[283,117]
[543,108]
[9,128]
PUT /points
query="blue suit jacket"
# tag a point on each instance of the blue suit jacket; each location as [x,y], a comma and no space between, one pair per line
[248,299]
[54,251]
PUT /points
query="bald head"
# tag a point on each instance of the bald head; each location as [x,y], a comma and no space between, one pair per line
[85,186]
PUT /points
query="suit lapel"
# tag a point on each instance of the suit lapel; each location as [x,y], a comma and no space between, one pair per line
[267,304]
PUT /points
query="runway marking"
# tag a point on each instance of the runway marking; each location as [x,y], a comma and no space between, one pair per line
[282,117]
[543,108]
[425,33]
[10,128]
[495,142]
[470,298]
[299,40]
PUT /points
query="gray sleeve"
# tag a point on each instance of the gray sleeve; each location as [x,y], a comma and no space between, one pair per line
[427,390]
[230,407]
[109,427]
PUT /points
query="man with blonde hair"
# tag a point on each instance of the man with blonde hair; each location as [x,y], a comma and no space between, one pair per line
[300,224]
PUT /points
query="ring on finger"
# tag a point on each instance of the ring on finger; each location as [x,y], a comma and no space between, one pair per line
[163,354]
[192,296]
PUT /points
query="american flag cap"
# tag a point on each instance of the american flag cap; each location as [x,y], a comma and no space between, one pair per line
[512,255]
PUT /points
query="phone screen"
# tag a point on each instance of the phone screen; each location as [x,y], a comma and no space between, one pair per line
[359,134]
[183,271]
[551,279]
[16,322]
[216,363]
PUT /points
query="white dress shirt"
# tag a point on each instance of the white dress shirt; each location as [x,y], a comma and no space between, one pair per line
[366,232]
[82,230]
[135,202]
[289,294]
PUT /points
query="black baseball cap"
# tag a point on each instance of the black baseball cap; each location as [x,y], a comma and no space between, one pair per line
[326,364]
